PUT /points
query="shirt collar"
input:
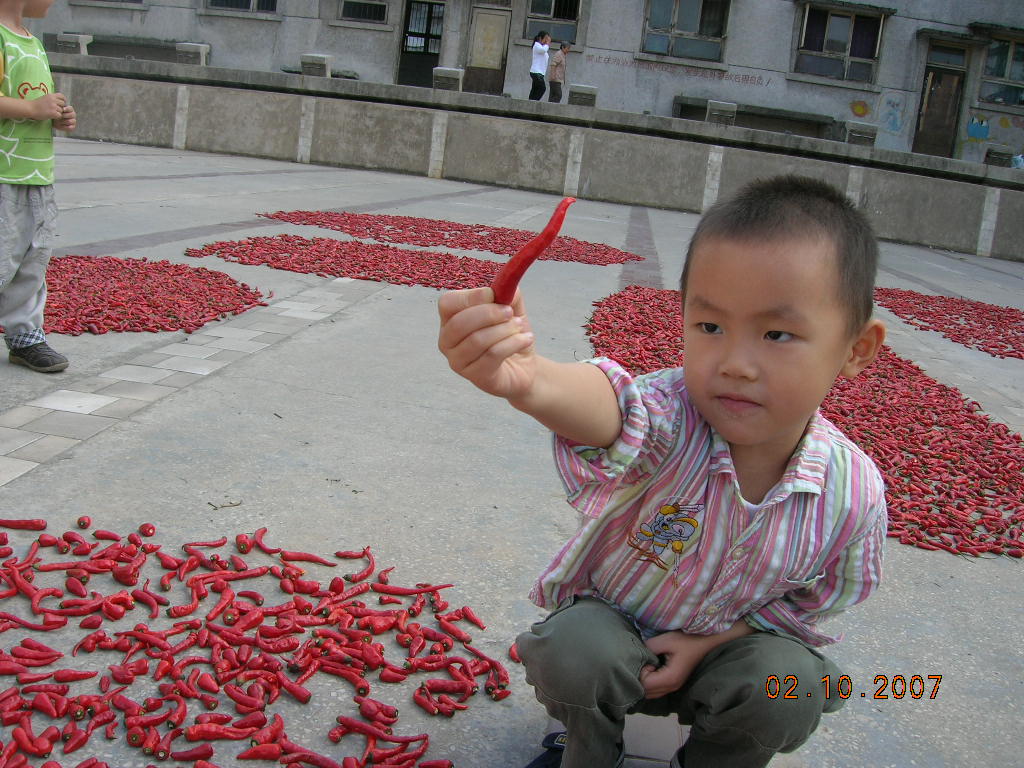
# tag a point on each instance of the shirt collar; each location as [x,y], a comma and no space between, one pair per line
[806,470]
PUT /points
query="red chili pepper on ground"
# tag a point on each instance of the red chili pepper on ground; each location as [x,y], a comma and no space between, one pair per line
[505,284]
[24,525]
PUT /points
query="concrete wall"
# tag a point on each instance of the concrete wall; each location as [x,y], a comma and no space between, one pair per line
[756,67]
[582,151]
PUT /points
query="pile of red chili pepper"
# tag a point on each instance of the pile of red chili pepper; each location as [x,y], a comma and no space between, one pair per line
[194,678]
[97,294]
[327,257]
[997,330]
[433,233]
[954,478]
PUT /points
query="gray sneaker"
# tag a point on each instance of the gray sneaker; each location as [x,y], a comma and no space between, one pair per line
[38,357]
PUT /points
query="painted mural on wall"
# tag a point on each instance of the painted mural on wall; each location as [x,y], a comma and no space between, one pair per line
[892,114]
[986,128]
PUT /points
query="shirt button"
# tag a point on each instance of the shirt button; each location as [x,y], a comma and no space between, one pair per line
[739,552]
[711,610]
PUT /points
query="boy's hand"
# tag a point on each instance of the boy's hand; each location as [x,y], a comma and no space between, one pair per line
[489,344]
[68,120]
[682,654]
[48,107]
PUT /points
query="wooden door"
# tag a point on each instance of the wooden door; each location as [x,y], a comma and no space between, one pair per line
[488,50]
[940,109]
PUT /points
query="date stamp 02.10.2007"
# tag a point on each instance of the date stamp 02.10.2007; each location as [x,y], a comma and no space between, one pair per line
[843,687]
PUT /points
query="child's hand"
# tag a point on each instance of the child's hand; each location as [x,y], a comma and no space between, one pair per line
[48,107]
[682,654]
[68,120]
[489,344]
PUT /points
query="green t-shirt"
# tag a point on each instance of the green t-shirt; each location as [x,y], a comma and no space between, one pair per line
[26,146]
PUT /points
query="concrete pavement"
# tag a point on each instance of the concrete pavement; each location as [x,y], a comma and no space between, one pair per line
[347,428]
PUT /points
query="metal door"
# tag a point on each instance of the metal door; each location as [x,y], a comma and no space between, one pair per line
[421,43]
[488,49]
[940,109]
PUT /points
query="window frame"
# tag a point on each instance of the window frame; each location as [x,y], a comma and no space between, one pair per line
[211,5]
[379,3]
[851,13]
[550,23]
[673,33]
[1005,81]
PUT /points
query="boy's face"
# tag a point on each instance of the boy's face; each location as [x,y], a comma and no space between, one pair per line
[36,9]
[765,337]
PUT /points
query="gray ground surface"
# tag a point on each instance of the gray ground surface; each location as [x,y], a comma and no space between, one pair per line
[349,429]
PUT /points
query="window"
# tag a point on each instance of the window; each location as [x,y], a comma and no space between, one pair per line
[691,29]
[371,12]
[556,17]
[259,6]
[1003,79]
[423,28]
[838,44]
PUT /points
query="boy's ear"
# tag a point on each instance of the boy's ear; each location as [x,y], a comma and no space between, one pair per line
[864,348]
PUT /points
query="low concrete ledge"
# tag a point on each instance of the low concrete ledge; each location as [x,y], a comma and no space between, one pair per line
[193,53]
[582,95]
[448,78]
[73,43]
[567,114]
[316,64]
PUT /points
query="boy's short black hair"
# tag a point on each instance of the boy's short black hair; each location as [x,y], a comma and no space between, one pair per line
[787,206]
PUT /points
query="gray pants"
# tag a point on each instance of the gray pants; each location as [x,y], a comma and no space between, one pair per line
[28,217]
[584,662]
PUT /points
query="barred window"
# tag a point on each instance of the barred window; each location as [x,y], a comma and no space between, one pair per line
[259,6]
[1003,79]
[691,29]
[556,17]
[840,45]
[370,12]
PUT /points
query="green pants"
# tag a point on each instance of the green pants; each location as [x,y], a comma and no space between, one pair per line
[584,662]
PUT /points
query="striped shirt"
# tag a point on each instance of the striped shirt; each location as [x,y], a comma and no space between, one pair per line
[670,541]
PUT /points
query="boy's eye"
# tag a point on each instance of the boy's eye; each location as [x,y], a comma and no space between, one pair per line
[709,327]
[778,336]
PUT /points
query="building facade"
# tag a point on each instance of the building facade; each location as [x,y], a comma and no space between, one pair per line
[938,77]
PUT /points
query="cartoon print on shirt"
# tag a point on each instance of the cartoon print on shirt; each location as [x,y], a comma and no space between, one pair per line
[673,526]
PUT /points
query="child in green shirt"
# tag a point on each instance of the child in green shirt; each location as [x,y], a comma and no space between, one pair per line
[29,112]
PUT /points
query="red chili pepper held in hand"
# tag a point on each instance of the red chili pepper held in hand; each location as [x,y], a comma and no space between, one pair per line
[505,284]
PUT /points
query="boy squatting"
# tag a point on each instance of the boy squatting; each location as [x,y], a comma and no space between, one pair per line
[725,517]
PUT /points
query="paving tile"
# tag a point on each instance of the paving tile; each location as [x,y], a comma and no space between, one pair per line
[70,400]
[21,415]
[149,358]
[285,326]
[270,338]
[654,738]
[239,345]
[12,468]
[121,408]
[228,332]
[140,373]
[305,314]
[13,439]
[187,350]
[90,384]
[44,449]
[77,425]
[294,305]
[137,391]
[191,365]
[180,379]
[229,355]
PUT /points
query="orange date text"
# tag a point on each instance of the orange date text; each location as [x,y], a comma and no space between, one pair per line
[843,687]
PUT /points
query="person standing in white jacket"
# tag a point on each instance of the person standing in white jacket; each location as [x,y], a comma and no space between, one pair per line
[539,65]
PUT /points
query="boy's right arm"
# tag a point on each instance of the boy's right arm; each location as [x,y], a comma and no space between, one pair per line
[48,107]
[492,346]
